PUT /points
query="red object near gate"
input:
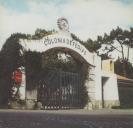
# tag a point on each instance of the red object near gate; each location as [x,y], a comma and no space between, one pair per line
[17,77]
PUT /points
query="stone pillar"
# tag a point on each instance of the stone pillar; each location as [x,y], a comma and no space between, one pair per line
[94,84]
[31,98]
[19,91]
[22,89]
[98,82]
[90,85]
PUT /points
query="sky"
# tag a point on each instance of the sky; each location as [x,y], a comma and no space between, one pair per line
[87,18]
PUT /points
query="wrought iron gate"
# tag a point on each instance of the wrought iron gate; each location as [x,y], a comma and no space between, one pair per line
[60,90]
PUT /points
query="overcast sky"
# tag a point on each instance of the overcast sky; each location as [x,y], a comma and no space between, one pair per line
[87,18]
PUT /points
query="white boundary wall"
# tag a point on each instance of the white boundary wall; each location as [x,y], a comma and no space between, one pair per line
[63,40]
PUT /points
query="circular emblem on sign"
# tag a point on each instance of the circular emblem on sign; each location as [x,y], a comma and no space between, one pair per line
[63,24]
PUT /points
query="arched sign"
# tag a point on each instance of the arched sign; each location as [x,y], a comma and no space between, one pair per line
[57,41]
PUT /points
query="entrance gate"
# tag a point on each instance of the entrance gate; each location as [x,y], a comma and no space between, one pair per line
[60,90]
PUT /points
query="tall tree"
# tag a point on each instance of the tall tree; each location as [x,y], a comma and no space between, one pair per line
[11,59]
[117,40]
[128,35]
[93,45]
[40,33]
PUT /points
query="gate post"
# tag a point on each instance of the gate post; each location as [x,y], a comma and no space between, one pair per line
[90,86]
[22,88]
[31,98]
[93,84]
[18,89]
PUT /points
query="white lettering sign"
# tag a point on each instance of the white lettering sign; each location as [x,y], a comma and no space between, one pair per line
[57,41]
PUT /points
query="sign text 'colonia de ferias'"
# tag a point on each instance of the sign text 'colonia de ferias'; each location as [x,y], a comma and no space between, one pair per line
[66,41]
[57,41]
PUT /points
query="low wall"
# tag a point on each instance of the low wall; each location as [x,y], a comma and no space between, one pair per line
[125,93]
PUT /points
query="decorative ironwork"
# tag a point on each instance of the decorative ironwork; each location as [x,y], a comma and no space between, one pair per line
[60,90]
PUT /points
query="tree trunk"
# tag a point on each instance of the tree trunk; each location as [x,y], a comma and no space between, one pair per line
[128,52]
[123,60]
[122,52]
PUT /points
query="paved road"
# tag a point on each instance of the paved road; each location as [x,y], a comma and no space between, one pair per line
[64,119]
